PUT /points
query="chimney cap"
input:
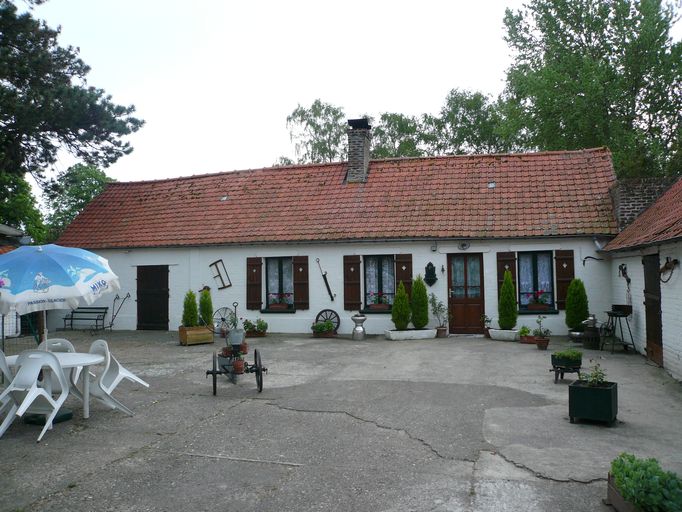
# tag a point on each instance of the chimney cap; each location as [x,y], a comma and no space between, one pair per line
[359,124]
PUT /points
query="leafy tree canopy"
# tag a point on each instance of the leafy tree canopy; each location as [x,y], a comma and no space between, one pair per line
[46,104]
[18,207]
[318,133]
[588,74]
[69,193]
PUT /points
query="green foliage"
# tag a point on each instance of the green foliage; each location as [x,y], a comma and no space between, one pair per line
[326,326]
[259,326]
[318,133]
[569,354]
[419,304]
[646,485]
[397,135]
[439,310]
[18,206]
[577,308]
[400,312]
[70,192]
[206,307]
[506,308]
[540,331]
[190,312]
[589,74]
[46,104]
[524,330]
[594,378]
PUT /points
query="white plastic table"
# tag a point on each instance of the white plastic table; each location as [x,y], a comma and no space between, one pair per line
[72,360]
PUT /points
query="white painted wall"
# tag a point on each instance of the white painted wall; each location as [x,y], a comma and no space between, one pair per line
[671,303]
[189,269]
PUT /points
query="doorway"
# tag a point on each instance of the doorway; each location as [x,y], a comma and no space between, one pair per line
[652,308]
[152,298]
[465,293]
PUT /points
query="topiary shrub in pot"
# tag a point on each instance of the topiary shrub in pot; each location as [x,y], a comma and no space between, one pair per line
[419,304]
[205,308]
[507,312]
[400,312]
[577,306]
[190,332]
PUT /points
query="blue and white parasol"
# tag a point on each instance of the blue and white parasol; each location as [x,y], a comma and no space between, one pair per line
[42,277]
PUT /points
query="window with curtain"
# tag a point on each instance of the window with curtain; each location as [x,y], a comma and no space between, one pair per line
[279,281]
[379,279]
[536,280]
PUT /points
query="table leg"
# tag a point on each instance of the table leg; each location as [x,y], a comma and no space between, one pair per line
[86,392]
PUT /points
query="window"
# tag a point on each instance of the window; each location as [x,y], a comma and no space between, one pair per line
[379,280]
[279,282]
[536,279]
[220,274]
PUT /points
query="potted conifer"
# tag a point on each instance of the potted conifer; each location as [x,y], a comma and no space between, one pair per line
[577,306]
[191,332]
[507,312]
[401,313]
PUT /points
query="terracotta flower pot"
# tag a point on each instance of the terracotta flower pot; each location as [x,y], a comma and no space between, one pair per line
[244,347]
[541,343]
[238,366]
[441,332]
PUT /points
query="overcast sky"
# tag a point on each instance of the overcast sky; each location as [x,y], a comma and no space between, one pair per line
[215,80]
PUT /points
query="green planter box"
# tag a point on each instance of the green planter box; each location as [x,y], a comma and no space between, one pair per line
[599,403]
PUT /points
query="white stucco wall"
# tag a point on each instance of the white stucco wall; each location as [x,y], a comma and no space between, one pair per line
[189,269]
[671,302]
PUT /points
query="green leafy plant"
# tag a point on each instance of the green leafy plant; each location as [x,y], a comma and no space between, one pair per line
[524,330]
[577,307]
[190,312]
[325,326]
[569,354]
[439,310]
[419,303]
[400,313]
[486,320]
[540,331]
[506,307]
[261,325]
[645,484]
[595,377]
[206,307]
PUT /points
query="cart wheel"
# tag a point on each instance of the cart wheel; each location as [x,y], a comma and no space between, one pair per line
[220,318]
[215,371]
[329,314]
[259,370]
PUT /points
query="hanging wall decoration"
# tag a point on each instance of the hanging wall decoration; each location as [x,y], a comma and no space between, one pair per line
[430,274]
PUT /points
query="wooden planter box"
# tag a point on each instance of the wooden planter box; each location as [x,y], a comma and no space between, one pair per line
[379,307]
[537,307]
[598,403]
[529,340]
[566,363]
[614,498]
[195,335]
[278,306]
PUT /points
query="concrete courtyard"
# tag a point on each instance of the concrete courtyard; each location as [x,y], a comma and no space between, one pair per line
[456,424]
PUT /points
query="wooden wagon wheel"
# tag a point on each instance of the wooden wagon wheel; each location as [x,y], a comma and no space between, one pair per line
[329,314]
[259,370]
[220,320]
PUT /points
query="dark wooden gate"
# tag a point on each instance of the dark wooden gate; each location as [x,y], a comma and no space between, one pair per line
[652,307]
[465,293]
[152,298]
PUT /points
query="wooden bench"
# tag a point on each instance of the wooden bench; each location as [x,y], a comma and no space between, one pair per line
[87,314]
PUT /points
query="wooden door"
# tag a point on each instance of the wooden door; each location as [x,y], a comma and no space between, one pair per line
[465,293]
[652,308]
[152,298]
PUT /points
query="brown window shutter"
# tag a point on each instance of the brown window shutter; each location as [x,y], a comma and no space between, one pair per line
[505,261]
[254,286]
[301,294]
[565,272]
[403,271]
[351,283]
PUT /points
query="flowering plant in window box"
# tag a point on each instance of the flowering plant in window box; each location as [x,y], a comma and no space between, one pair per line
[538,300]
[279,300]
[378,300]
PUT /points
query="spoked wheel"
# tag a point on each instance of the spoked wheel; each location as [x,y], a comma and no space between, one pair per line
[329,314]
[259,370]
[220,320]
[215,372]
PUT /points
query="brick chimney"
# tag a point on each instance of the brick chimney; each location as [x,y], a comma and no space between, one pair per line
[359,137]
[631,197]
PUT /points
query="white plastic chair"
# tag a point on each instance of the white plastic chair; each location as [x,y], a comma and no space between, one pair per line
[25,391]
[64,345]
[7,404]
[110,377]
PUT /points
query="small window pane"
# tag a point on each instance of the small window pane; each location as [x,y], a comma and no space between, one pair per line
[458,290]
[474,277]
[525,277]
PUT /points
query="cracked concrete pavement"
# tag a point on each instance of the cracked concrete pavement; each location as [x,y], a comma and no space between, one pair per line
[456,424]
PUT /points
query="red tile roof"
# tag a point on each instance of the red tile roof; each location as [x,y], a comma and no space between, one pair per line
[6,248]
[661,222]
[536,194]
